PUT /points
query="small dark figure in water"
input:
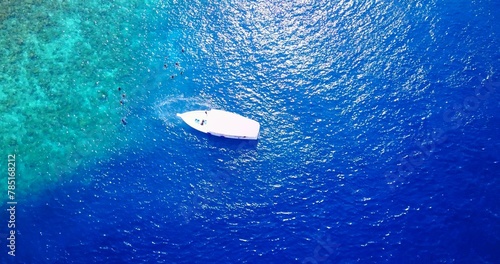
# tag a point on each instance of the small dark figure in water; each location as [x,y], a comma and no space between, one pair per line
[182,72]
[164,66]
[124,122]
[182,50]
[121,102]
[119,88]
[172,76]
[124,95]
[176,64]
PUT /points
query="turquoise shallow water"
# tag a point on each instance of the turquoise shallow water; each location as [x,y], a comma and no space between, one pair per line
[62,65]
[379,131]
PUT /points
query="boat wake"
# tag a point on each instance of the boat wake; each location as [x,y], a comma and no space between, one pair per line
[167,109]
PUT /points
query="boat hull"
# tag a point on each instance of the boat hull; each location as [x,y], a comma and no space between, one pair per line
[222,124]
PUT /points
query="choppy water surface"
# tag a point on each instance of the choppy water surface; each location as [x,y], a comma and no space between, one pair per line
[379,125]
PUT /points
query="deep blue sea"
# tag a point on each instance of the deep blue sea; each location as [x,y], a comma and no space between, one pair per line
[379,141]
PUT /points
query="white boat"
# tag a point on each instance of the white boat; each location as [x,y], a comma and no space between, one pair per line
[222,123]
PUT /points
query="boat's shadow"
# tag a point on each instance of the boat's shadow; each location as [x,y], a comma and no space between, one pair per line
[226,143]
[229,143]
